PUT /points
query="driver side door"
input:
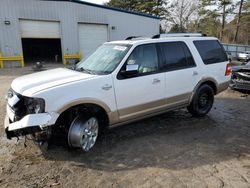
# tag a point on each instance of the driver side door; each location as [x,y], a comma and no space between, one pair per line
[144,92]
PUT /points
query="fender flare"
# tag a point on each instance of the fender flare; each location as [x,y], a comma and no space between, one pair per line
[84,101]
[202,81]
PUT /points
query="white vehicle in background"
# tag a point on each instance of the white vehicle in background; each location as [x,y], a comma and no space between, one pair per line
[121,82]
[244,56]
[229,56]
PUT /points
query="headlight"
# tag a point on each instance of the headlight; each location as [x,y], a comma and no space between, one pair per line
[9,94]
[35,105]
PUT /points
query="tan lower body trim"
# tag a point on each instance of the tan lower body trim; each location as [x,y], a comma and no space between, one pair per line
[142,107]
[223,86]
[153,113]
[152,107]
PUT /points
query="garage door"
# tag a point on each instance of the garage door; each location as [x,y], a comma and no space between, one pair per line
[39,29]
[91,36]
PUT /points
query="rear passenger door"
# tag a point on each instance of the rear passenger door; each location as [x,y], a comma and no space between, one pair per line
[181,73]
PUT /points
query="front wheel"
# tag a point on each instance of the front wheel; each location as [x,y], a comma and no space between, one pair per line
[202,101]
[83,132]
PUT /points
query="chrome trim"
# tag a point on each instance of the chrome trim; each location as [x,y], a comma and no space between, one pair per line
[107,87]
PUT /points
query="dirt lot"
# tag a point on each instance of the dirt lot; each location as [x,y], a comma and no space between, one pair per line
[171,150]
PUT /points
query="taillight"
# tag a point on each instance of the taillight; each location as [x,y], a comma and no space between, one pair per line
[228,69]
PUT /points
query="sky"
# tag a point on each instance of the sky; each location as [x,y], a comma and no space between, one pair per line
[97,1]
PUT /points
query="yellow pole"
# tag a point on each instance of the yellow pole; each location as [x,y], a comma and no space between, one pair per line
[22,60]
[1,61]
[64,59]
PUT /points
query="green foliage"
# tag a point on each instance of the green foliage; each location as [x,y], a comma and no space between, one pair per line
[154,7]
[210,24]
[206,16]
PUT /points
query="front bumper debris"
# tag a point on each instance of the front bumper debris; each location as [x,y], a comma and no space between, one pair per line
[240,85]
[29,124]
[241,80]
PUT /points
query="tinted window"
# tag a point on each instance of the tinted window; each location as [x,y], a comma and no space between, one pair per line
[176,55]
[146,57]
[210,51]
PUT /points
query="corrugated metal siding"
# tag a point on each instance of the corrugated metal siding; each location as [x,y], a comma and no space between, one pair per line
[69,15]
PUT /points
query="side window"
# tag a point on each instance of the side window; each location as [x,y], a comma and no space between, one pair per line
[146,57]
[210,51]
[176,55]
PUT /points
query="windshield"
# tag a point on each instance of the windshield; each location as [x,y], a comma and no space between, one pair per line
[104,60]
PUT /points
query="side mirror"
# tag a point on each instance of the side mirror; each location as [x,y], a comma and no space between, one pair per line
[131,70]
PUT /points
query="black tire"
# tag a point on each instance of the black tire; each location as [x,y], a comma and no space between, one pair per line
[202,101]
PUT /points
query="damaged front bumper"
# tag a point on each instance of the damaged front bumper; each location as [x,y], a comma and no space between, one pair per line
[241,80]
[29,124]
[240,84]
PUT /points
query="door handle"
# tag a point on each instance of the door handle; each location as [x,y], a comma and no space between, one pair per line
[106,87]
[156,80]
[195,73]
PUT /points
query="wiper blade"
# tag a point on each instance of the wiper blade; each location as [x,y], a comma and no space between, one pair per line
[72,67]
[81,69]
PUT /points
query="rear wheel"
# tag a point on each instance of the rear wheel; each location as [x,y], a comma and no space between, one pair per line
[202,101]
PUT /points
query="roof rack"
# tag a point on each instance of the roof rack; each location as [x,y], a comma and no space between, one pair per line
[178,35]
[136,38]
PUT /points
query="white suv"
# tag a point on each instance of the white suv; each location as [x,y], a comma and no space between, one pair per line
[121,82]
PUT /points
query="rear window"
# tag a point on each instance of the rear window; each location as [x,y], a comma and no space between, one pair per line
[211,51]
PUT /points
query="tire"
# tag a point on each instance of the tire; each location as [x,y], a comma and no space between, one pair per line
[202,101]
[83,132]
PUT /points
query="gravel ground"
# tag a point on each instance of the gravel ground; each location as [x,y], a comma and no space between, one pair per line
[171,150]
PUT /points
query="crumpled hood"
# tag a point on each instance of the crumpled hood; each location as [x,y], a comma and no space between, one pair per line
[33,83]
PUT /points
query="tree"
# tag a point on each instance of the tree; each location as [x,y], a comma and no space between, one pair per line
[225,11]
[154,7]
[209,24]
[238,21]
[216,9]
[179,14]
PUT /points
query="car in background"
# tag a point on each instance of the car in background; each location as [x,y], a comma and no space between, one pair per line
[244,56]
[229,56]
[241,77]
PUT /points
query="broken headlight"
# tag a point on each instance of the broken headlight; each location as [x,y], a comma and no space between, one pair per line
[35,105]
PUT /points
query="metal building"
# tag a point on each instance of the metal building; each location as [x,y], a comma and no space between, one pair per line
[45,29]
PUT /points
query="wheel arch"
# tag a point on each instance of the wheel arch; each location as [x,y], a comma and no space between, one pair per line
[209,81]
[82,102]
[87,104]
